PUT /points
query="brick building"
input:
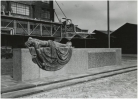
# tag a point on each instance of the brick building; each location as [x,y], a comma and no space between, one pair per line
[23,19]
[29,9]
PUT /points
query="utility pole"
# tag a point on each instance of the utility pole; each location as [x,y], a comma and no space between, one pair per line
[108,23]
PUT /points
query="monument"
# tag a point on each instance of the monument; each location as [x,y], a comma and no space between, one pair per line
[51,59]
[49,55]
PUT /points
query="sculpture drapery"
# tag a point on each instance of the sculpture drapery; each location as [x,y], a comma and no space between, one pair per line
[49,55]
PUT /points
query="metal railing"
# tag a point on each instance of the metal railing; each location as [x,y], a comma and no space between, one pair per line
[29,26]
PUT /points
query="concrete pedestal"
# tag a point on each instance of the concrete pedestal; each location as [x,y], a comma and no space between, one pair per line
[81,61]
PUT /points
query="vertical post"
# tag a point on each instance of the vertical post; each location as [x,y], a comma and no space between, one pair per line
[11,31]
[6,46]
[85,42]
[41,31]
[74,28]
[66,35]
[61,30]
[15,26]
[28,27]
[51,29]
[108,24]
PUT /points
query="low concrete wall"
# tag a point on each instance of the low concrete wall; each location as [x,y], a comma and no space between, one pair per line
[81,61]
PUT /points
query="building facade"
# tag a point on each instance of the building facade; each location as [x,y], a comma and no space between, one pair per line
[101,37]
[29,9]
[23,19]
[126,38]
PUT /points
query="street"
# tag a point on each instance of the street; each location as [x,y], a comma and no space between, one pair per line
[118,86]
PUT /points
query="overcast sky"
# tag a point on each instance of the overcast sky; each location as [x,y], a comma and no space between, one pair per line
[92,15]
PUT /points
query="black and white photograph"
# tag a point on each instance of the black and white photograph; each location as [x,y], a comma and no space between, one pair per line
[68,48]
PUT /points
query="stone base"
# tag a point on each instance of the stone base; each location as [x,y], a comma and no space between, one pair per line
[81,61]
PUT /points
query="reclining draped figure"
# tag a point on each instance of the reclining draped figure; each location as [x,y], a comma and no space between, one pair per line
[49,55]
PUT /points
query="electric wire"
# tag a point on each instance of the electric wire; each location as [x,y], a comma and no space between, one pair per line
[57,16]
[60,9]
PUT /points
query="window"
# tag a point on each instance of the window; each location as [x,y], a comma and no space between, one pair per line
[46,1]
[45,14]
[20,8]
[2,8]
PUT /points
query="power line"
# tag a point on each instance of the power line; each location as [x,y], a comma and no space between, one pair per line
[60,9]
[57,16]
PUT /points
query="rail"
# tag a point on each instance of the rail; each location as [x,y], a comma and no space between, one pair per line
[29,26]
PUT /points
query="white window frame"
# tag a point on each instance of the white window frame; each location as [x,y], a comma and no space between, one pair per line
[21,9]
[46,14]
[46,1]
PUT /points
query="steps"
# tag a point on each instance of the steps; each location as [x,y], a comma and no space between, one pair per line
[30,89]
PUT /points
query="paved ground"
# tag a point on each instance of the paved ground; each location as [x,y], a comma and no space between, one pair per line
[122,85]
[119,86]
[7,80]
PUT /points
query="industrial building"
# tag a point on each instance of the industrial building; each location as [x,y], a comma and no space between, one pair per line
[126,38]
[23,19]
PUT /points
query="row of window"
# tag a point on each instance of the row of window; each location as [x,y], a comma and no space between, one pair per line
[46,1]
[23,9]
[20,9]
[45,14]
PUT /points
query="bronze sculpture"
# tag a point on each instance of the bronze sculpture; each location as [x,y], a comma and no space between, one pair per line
[49,55]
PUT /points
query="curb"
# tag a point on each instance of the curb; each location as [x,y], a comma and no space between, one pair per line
[27,86]
[58,84]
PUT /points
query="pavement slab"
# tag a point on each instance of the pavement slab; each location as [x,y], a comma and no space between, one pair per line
[45,84]
[118,86]
[38,89]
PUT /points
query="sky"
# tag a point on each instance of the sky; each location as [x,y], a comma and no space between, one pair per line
[92,15]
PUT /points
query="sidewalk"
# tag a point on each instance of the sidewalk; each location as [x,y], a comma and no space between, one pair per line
[129,55]
[11,88]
